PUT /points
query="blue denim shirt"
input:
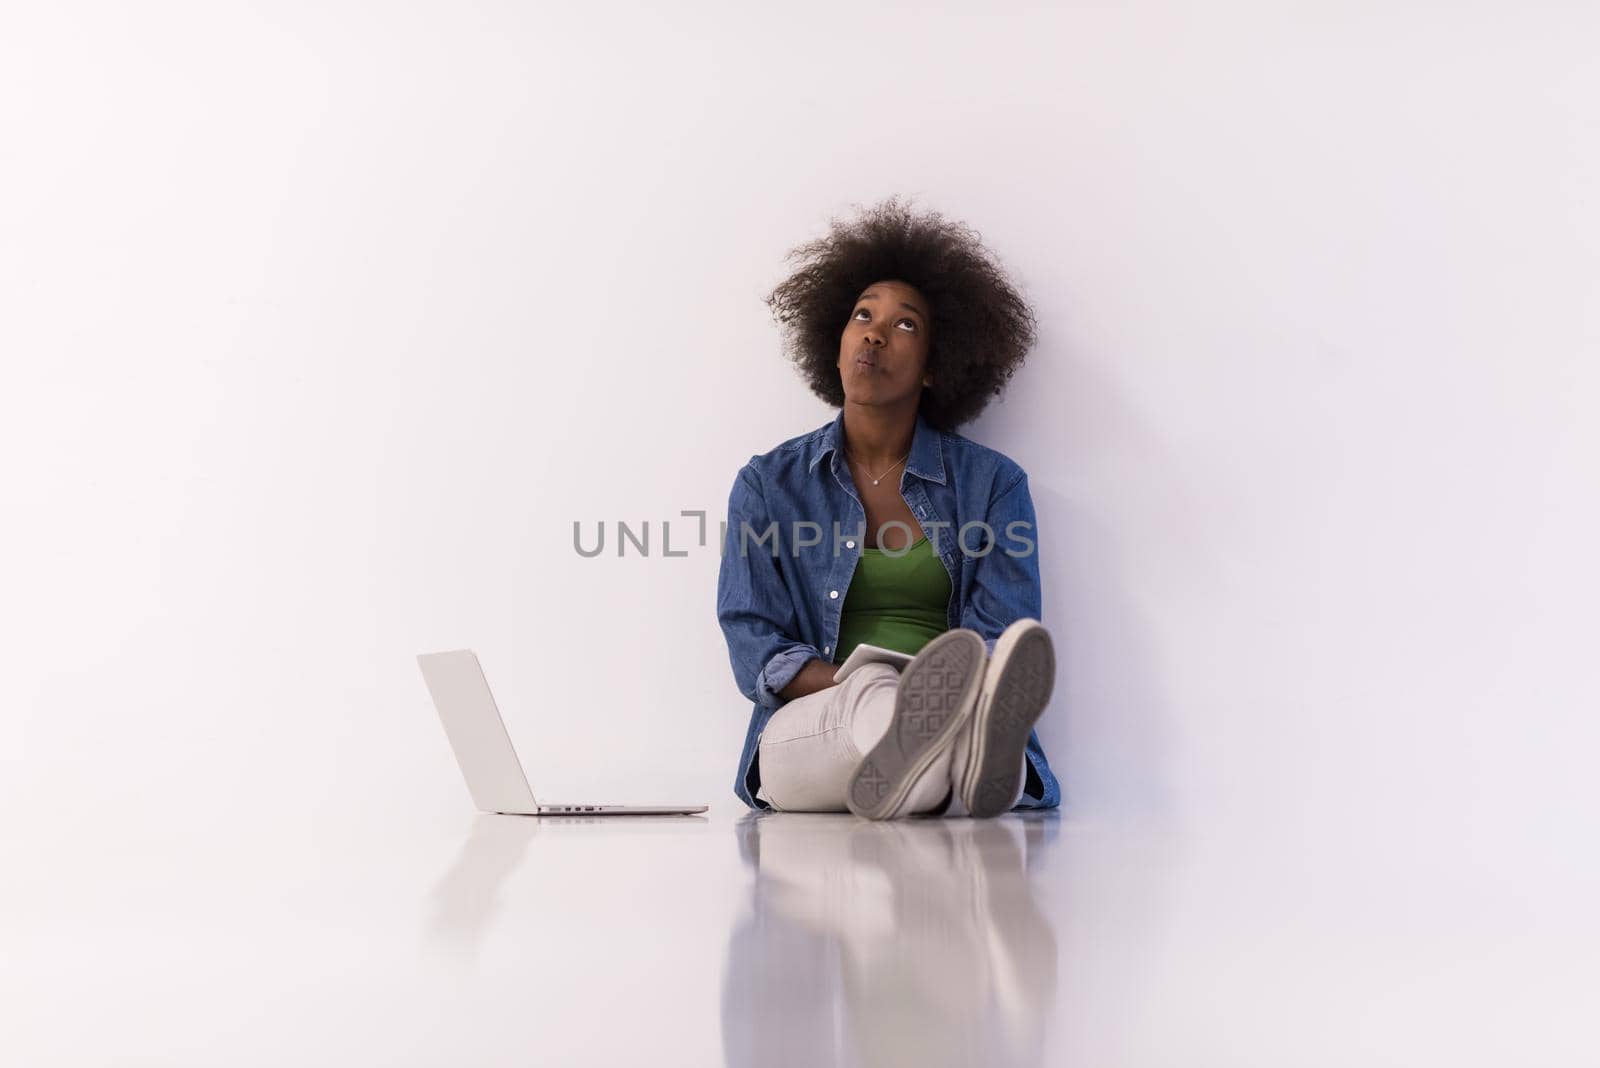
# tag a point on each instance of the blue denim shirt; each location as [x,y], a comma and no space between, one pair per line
[795,532]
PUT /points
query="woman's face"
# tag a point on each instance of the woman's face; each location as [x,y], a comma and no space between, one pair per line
[883,353]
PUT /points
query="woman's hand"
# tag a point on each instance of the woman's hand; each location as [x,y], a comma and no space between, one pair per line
[814,675]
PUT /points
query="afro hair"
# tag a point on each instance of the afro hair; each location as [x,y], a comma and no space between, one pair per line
[980,327]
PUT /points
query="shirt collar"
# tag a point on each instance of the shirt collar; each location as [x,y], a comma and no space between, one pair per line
[927,448]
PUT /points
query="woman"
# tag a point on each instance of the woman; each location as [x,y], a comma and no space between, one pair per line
[908,326]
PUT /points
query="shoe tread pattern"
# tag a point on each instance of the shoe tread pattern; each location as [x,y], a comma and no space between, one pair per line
[1019,699]
[930,695]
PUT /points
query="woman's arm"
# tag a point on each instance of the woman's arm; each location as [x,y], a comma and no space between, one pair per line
[754,607]
[816,675]
[1005,584]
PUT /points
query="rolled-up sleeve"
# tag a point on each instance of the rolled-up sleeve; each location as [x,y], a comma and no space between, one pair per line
[1005,581]
[754,607]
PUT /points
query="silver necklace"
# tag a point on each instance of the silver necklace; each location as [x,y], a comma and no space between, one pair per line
[857,459]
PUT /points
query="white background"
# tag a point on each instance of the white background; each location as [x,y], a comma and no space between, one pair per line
[322,324]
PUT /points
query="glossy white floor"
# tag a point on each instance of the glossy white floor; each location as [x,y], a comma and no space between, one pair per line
[783,939]
[324,325]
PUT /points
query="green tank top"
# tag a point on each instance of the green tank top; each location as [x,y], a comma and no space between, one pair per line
[898,601]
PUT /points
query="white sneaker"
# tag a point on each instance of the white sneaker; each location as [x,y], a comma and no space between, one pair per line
[937,691]
[987,769]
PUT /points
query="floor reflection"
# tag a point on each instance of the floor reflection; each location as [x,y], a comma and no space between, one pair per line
[887,943]
[467,897]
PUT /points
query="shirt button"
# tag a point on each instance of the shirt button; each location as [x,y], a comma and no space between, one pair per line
[833,593]
[826,649]
[849,545]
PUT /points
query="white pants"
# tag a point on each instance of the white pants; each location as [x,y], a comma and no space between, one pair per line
[813,744]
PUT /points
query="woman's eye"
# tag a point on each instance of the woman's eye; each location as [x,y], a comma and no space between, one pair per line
[861,311]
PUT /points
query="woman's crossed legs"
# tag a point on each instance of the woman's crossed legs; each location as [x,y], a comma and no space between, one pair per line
[813,745]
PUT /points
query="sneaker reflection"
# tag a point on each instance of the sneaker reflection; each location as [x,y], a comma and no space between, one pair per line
[904,942]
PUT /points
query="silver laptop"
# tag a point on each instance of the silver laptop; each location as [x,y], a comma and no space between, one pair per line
[483,748]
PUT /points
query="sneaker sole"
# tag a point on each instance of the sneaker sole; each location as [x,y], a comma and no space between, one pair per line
[1003,719]
[936,693]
